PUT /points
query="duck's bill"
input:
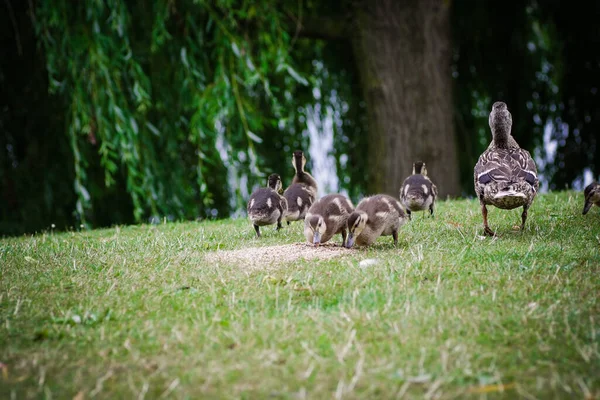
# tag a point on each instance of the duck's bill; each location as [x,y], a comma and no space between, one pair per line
[586,207]
[350,241]
[316,238]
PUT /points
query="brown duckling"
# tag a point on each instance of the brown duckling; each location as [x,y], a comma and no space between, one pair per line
[327,217]
[505,175]
[301,194]
[379,215]
[592,196]
[418,193]
[266,206]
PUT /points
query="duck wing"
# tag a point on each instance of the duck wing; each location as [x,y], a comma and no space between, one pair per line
[299,198]
[506,166]
[418,185]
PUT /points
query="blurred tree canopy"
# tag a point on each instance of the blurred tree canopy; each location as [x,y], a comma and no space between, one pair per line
[122,111]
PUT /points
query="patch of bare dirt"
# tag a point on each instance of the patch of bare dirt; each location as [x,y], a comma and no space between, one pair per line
[264,257]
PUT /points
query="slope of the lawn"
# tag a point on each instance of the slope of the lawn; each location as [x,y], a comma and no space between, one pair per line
[151,311]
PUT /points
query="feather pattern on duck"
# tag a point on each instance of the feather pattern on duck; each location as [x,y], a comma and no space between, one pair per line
[266,206]
[418,192]
[505,175]
[301,194]
[506,178]
[592,196]
[327,217]
[379,215]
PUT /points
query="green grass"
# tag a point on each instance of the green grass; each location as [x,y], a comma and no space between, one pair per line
[136,312]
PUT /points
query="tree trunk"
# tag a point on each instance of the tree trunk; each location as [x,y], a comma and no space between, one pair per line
[403,54]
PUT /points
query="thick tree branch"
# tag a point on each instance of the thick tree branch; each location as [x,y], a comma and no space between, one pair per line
[320,27]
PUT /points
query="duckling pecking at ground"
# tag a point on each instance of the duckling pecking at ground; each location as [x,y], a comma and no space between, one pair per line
[592,196]
[379,215]
[327,217]
[301,194]
[266,206]
[505,175]
[418,193]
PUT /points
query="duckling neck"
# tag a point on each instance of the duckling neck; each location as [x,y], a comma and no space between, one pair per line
[299,167]
[303,176]
[306,179]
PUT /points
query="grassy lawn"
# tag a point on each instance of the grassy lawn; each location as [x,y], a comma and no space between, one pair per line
[136,312]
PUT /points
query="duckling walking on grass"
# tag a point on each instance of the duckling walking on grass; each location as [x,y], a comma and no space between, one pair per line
[592,196]
[266,206]
[327,217]
[379,215]
[505,175]
[418,193]
[301,194]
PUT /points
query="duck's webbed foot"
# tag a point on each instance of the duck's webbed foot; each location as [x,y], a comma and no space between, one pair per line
[257,229]
[488,231]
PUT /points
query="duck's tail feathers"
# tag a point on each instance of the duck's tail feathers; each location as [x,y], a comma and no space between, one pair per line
[509,193]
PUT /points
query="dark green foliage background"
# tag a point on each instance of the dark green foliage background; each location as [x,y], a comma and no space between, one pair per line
[123,111]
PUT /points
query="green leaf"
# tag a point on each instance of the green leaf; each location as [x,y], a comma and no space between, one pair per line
[183,56]
[152,128]
[254,137]
[297,77]
[134,125]
[235,49]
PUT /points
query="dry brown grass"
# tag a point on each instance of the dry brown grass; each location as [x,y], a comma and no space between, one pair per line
[273,256]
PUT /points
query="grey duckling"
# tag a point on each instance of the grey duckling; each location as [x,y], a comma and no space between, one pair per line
[327,217]
[266,206]
[592,196]
[418,193]
[301,194]
[505,175]
[379,215]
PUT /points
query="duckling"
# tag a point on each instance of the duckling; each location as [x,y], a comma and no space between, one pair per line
[266,206]
[379,215]
[505,175]
[418,193]
[327,217]
[592,196]
[301,194]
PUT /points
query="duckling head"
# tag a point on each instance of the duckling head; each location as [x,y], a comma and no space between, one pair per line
[315,226]
[274,182]
[298,161]
[500,121]
[419,168]
[356,223]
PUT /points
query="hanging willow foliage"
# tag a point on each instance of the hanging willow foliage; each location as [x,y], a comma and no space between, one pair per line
[172,95]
